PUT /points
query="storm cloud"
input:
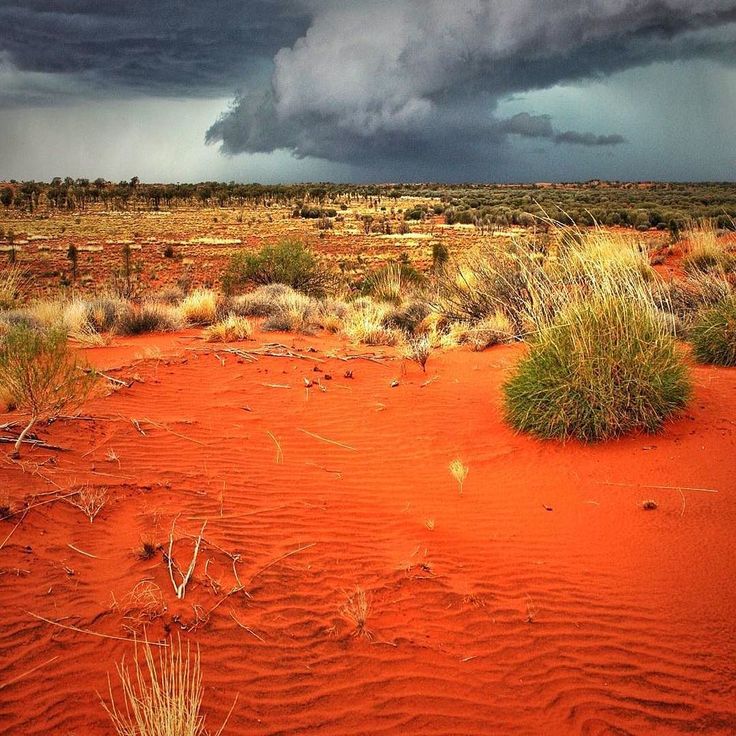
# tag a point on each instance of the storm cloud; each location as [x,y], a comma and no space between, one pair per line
[402,79]
[127,47]
[387,88]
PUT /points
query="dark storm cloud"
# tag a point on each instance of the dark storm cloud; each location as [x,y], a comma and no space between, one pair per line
[414,79]
[409,86]
[166,48]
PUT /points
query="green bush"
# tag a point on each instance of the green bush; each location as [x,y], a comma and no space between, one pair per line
[604,367]
[41,375]
[714,334]
[288,263]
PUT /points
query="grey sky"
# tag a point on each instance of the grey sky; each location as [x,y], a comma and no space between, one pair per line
[290,90]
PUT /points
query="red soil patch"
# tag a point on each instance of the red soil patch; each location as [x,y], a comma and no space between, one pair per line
[543,600]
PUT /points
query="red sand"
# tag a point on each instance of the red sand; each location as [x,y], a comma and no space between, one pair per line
[545,600]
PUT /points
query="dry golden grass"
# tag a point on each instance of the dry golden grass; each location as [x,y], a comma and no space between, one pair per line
[199,307]
[459,471]
[12,283]
[90,500]
[230,329]
[141,605]
[364,323]
[705,252]
[356,610]
[162,697]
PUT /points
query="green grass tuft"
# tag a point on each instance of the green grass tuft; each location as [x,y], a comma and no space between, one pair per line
[604,367]
[714,334]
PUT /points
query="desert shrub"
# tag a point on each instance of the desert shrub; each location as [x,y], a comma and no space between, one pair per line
[685,298]
[263,302]
[705,252]
[229,329]
[440,255]
[289,263]
[41,375]
[605,366]
[12,282]
[199,307]
[488,280]
[393,282]
[714,334]
[102,312]
[406,317]
[148,317]
[418,348]
[19,318]
[492,330]
[168,295]
[364,324]
[294,312]
[331,314]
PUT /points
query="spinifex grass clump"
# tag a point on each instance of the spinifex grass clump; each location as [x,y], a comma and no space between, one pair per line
[706,253]
[714,334]
[604,367]
[602,361]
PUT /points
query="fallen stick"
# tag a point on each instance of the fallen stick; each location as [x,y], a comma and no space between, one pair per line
[283,557]
[27,672]
[278,350]
[176,434]
[329,442]
[12,531]
[79,630]
[661,488]
[247,628]
[36,443]
[279,451]
[372,357]
[81,551]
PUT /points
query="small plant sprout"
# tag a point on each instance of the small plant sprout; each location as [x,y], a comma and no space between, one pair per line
[112,457]
[459,472]
[430,524]
[89,500]
[418,349]
[355,610]
[147,549]
[532,610]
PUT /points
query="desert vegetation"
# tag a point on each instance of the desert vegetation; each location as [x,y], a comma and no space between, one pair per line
[225,424]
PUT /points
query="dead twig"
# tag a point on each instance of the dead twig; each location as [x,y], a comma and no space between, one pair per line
[81,551]
[247,628]
[27,672]
[35,443]
[171,431]
[181,588]
[328,441]
[79,630]
[282,557]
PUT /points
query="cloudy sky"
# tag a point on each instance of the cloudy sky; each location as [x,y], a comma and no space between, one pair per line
[368,90]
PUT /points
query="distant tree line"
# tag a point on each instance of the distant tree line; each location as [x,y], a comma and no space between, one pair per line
[666,206]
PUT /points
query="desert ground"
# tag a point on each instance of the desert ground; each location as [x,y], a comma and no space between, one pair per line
[343,579]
